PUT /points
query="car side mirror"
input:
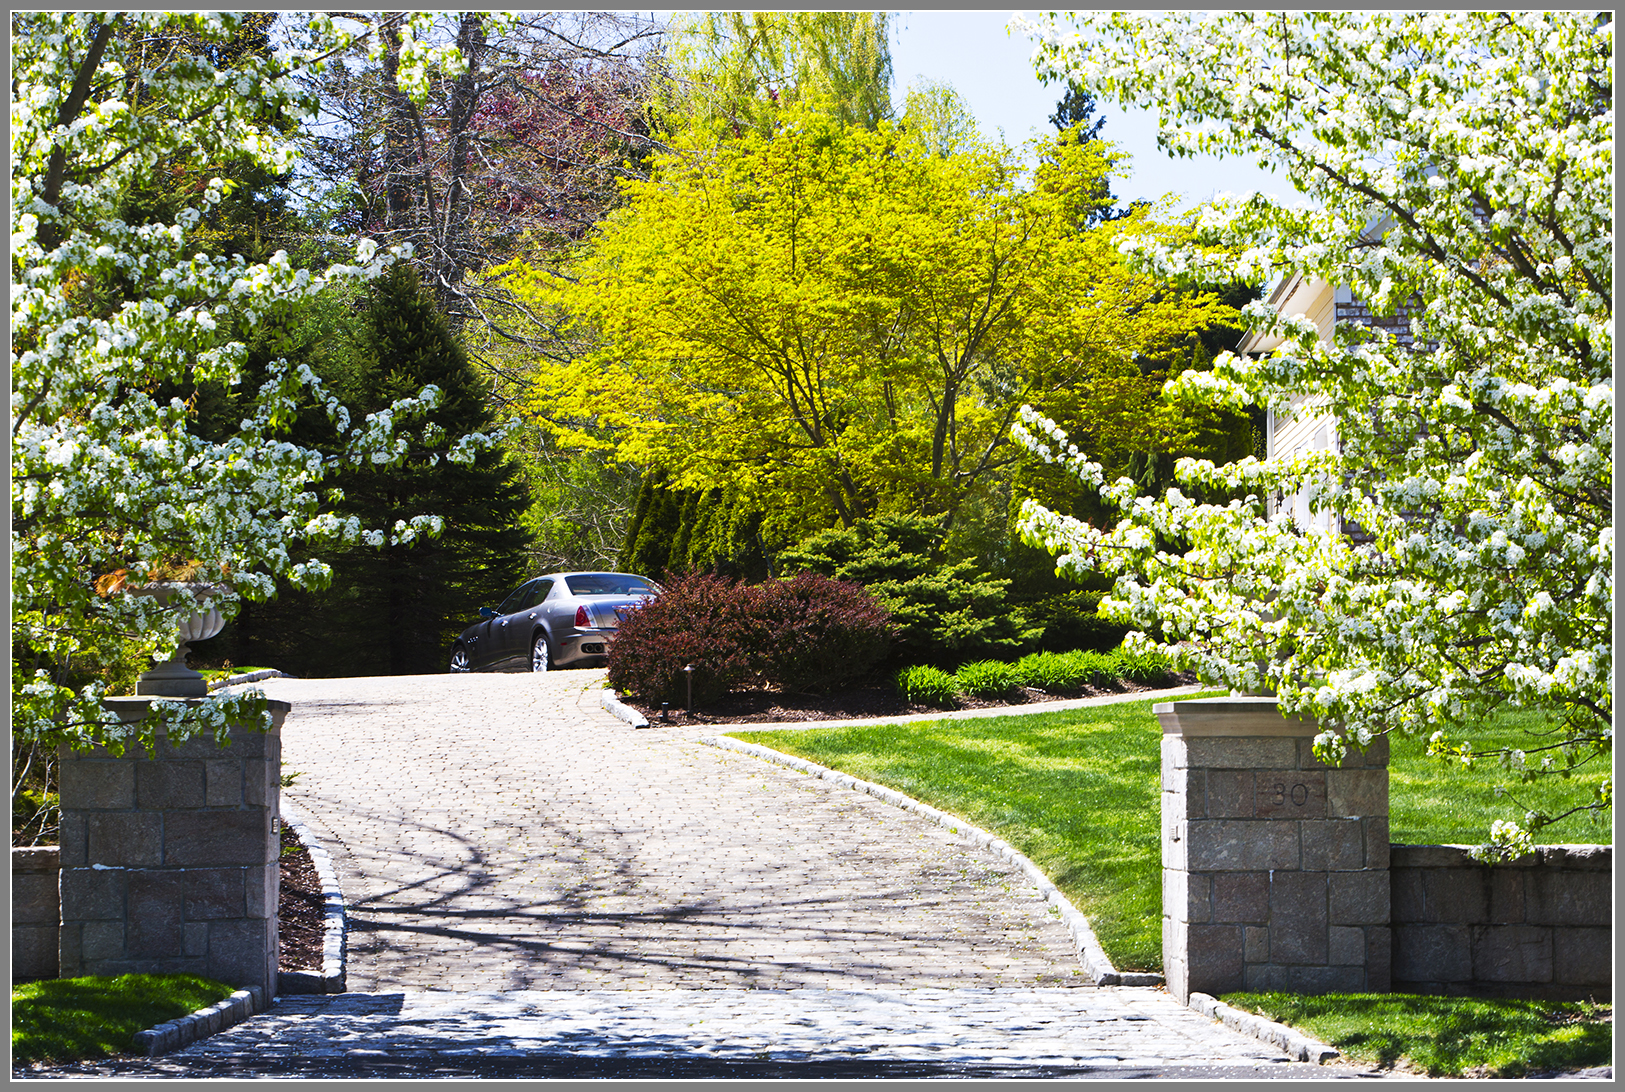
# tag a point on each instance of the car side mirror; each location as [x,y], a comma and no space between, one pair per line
[487,612]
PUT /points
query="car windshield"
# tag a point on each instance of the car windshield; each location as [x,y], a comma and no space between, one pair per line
[608,584]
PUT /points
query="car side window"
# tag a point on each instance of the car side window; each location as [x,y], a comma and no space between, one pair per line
[520,599]
[539,592]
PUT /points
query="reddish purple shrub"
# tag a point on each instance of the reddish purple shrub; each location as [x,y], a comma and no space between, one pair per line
[812,632]
[697,619]
[797,634]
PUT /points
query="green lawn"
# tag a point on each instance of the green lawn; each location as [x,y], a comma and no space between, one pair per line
[1448,1036]
[1077,792]
[213,673]
[1434,802]
[71,1019]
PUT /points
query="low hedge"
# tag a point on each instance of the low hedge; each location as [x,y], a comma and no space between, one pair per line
[1051,672]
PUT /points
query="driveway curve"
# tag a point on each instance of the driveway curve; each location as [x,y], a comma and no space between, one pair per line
[502,833]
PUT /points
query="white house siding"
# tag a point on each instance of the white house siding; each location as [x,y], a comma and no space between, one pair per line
[1307,425]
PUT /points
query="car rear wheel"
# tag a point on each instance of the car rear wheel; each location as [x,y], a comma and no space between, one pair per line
[539,660]
[459,660]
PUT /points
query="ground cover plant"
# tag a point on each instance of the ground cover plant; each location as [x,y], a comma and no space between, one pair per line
[927,685]
[1077,792]
[987,678]
[72,1019]
[1448,1036]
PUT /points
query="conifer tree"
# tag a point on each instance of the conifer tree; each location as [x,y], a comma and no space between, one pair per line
[406,602]
[394,608]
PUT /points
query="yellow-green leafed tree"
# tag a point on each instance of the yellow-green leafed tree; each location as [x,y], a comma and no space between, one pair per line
[836,320]
[735,71]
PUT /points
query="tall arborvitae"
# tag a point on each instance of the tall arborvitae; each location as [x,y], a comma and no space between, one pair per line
[676,530]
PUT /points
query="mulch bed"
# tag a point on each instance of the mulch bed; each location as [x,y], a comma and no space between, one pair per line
[860,702]
[299,908]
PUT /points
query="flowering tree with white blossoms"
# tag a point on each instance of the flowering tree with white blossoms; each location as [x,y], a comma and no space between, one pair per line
[1460,169]
[109,480]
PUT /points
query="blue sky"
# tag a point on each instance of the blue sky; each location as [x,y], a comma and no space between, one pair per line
[992,71]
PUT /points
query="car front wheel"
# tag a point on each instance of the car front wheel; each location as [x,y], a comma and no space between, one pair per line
[538,653]
[459,660]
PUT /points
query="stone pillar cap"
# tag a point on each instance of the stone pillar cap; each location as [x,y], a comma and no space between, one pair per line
[1240,715]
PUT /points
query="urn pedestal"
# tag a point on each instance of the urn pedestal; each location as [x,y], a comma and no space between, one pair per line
[173,679]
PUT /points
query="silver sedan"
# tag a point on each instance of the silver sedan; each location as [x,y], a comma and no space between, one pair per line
[557,620]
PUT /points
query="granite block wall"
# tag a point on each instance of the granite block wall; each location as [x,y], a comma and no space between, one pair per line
[35,912]
[1540,926]
[170,860]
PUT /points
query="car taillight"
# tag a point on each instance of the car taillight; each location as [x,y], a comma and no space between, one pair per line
[581,617]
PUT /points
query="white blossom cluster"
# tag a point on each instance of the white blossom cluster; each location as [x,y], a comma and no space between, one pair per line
[107,477]
[1459,168]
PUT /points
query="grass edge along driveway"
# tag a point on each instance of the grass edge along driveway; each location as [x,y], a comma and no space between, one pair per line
[73,1019]
[1448,1036]
[1078,792]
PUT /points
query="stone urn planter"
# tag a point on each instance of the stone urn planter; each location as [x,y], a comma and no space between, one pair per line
[173,679]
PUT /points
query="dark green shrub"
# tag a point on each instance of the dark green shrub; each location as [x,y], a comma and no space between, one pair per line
[1070,621]
[926,685]
[942,611]
[987,678]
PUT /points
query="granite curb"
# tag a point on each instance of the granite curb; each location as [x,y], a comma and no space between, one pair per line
[614,705]
[1298,1046]
[331,977]
[188,1029]
[252,676]
[620,709]
[1090,954]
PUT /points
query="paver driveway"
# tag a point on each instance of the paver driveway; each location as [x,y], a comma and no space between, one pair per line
[502,832]
[536,889]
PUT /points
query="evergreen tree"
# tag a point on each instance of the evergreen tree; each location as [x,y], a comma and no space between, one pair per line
[1077,107]
[1076,110]
[394,608]
[403,603]
[709,530]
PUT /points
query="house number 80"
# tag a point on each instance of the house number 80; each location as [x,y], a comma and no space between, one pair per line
[1300,794]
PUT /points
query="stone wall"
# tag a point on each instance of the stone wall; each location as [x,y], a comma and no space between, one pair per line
[1540,926]
[1278,874]
[35,912]
[170,862]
